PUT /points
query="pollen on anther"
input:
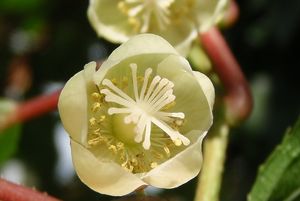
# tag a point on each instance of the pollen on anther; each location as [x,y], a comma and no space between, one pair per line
[153,165]
[96,107]
[177,142]
[113,148]
[167,150]
[102,118]
[120,146]
[179,122]
[93,121]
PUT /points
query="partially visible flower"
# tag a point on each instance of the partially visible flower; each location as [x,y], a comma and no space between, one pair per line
[138,120]
[178,21]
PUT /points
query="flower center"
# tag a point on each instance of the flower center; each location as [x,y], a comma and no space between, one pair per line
[146,107]
[124,132]
[130,123]
[141,12]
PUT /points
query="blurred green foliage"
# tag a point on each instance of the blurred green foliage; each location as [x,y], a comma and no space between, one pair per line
[279,177]
[9,141]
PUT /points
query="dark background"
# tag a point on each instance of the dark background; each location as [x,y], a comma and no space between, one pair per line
[265,41]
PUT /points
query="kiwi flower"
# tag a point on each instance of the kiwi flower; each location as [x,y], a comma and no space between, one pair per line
[139,119]
[178,21]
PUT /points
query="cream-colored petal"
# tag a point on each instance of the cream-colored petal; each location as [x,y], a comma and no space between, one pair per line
[137,45]
[113,27]
[174,65]
[179,169]
[179,35]
[185,45]
[72,104]
[190,97]
[207,87]
[103,177]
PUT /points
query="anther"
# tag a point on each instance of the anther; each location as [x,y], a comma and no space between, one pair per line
[177,142]
[179,122]
[134,162]
[102,118]
[157,155]
[93,121]
[167,150]
[153,165]
[113,148]
[120,146]
[96,96]
[97,131]
[96,107]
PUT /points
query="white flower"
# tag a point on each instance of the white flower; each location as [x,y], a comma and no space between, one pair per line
[138,120]
[178,21]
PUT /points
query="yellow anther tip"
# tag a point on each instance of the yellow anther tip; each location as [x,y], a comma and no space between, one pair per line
[177,142]
[154,165]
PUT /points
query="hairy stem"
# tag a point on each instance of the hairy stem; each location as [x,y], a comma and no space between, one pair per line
[13,192]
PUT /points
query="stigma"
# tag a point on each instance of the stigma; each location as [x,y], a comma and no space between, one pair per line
[144,106]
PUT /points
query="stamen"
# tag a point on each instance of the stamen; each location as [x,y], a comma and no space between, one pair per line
[164,102]
[93,121]
[113,148]
[167,89]
[173,134]
[114,110]
[146,143]
[145,83]
[146,19]
[140,13]
[167,150]
[120,146]
[166,96]
[161,84]
[133,67]
[96,96]
[154,82]
[102,118]
[177,142]
[140,129]
[111,97]
[136,10]
[144,109]
[153,165]
[108,83]
[96,107]
[172,114]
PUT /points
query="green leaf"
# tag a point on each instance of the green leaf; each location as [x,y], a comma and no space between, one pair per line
[9,139]
[278,178]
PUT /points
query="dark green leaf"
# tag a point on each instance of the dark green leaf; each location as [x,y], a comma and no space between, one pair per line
[9,139]
[278,178]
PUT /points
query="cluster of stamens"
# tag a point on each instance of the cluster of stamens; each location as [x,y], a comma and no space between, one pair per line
[141,12]
[146,108]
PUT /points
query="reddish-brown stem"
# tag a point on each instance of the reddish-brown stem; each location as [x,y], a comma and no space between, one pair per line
[231,15]
[13,192]
[33,108]
[238,99]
